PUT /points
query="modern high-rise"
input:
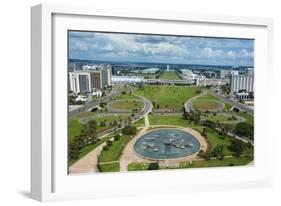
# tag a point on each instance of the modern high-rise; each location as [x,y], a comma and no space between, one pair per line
[106,75]
[90,80]
[96,80]
[241,82]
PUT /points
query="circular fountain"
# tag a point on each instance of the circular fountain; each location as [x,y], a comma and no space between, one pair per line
[163,144]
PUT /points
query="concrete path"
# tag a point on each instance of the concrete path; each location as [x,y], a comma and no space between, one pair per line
[128,155]
[88,163]
[188,103]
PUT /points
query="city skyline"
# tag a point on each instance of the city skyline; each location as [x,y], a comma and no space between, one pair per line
[161,49]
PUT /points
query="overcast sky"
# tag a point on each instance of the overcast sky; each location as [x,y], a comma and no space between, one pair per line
[160,49]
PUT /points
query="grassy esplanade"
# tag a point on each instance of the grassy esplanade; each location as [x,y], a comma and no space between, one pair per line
[206,105]
[127,105]
[170,75]
[167,97]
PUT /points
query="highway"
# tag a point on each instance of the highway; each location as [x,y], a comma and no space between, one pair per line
[92,104]
[234,103]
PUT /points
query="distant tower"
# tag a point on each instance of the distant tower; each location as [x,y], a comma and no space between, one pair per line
[168,67]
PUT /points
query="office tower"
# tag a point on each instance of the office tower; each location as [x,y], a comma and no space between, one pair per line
[241,82]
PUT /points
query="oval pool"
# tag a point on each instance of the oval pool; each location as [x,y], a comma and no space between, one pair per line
[166,144]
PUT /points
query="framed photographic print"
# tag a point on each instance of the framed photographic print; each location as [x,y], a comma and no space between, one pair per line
[138,102]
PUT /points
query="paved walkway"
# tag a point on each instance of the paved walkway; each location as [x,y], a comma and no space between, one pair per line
[87,164]
[188,103]
[129,155]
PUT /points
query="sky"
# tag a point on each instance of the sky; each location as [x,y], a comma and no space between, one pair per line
[160,49]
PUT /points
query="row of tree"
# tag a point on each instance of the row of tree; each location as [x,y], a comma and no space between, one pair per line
[87,136]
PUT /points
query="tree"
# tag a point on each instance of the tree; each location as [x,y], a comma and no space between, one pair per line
[115,123]
[128,129]
[245,129]
[153,166]
[224,129]
[237,146]
[217,151]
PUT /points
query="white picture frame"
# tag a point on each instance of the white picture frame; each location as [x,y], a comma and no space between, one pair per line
[49,178]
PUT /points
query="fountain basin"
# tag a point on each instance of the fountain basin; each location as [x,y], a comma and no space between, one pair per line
[167,143]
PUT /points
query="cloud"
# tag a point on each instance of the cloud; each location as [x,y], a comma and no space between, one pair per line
[209,52]
[246,53]
[159,48]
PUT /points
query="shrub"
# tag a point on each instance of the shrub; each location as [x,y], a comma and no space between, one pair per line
[217,151]
[108,142]
[237,146]
[128,129]
[245,129]
[116,137]
[153,166]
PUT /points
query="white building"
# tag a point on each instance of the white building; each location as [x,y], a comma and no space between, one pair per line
[97,93]
[81,98]
[89,80]
[127,79]
[188,74]
[241,82]
[106,73]
[168,67]
[79,81]
[211,82]
[242,95]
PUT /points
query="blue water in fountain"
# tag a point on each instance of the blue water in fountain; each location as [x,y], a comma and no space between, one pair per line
[166,144]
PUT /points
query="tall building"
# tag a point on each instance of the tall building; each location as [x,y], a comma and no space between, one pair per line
[106,73]
[96,80]
[241,82]
[84,83]
[90,80]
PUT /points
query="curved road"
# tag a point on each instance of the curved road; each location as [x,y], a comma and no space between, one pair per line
[188,103]
[234,103]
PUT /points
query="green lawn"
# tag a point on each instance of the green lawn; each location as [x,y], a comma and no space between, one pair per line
[115,150]
[135,166]
[215,139]
[126,96]
[176,120]
[231,161]
[127,105]
[221,118]
[111,167]
[140,122]
[74,127]
[170,75]
[205,105]
[89,148]
[249,118]
[167,97]
[208,96]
